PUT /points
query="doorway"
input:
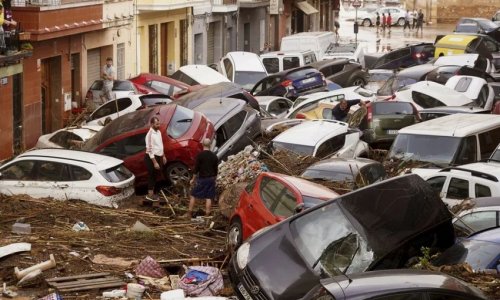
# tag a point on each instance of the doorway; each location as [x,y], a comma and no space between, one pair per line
[17,126]
[51,99]
[246,37]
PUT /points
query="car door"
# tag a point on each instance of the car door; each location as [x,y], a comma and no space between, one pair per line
[235,138]
[438,183]
[18,178]
[458,189]
[265,86]
[81,185]
[112,109]
[131,150]
[51,180]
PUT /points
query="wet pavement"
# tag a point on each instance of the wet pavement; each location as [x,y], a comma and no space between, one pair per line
[395,38]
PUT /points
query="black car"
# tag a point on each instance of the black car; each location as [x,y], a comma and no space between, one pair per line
[291,83]
[342,71]
[443,73]
[405,57]
[236,124]
[395,285]
[478,25]
[218,90]
[380,226]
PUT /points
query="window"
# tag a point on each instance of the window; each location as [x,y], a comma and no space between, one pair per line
[331,146]
[437,183]
[391,108]
[116,174]
[467,152]
[126,147]
[79,173]
[458,189]
[228,67]
[234,123]
[181,122]
[278,106]
[161,87]
[52,171]
[330,70]
[425,101]
[482,191]
[488,142]
[371,174]
[21,170]
[285,206]
[250,186]
[272,65]
[436,296]
[478,221]
[290,62]
[405,296]
[270,191]
[463,84]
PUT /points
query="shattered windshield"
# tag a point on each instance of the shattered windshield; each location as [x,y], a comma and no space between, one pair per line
[416,147]
[329,242]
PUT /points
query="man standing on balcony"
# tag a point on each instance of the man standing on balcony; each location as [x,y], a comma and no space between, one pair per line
[108,76]
[2,39]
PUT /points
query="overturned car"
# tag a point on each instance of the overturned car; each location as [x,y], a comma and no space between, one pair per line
[377,227]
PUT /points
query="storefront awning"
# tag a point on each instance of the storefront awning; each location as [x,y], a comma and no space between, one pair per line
[306,7]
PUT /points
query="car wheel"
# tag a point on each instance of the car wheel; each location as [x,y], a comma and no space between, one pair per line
[401,22]
[178,172]
[358,81]
[234,235]
[367,23]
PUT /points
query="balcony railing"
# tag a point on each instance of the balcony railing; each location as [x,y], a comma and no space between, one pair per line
[14,51]
[46,2]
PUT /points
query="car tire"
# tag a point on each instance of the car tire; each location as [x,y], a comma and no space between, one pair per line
[357,81]
[401,22]
[177,172]
[234,236]
[366,23]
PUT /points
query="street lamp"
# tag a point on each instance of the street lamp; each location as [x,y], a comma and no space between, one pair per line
[356,4]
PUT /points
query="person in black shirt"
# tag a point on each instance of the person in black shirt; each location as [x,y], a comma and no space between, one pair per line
[340,111]
[204,176]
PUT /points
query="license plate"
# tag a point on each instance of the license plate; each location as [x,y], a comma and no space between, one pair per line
[244,292]
[309,80]
[392,131]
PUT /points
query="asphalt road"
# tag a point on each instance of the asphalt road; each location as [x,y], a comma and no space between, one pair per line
[396,38]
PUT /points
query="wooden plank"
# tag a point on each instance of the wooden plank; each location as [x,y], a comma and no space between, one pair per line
[84,282]
[56,279]
[92,287]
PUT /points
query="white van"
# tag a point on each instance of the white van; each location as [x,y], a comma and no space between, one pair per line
[447,141]
[316,41]
[198,74]
[243,68]
[278,61]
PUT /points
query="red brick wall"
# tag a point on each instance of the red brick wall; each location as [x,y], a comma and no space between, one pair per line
[6,149]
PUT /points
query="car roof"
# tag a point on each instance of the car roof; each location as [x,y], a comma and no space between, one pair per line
[216,109]
[483,167]
[489,235]
[246,61]
[386,281]
[314,130]
[101,161]
[221,89]
[464,59]
[454,109]
[486,202]
[436,90]
[288,71]
[454,39]
[306,187]
[459,125]
[342,164]
[329,62]
[203,74]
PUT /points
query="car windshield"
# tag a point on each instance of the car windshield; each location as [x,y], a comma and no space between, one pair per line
[123,85]
[416,147]
[328,241]
[341,48]
[299,149]
[392,108]
[336,175]
[496,155]
[181,122]
[478,254]
[394,84]
[248,79]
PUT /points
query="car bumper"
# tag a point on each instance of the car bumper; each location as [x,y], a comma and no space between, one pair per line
[243,283]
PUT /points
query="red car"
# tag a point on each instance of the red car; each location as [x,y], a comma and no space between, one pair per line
[183,131]
[165,85]
[271,198]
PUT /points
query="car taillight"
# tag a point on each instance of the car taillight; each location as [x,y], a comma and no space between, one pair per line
[300,116]
[369,113]
[286,83]
[108,190]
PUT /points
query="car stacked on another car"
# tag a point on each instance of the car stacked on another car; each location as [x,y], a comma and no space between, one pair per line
[121,88]
[404,57]
[342,71]
[182,130]
[243,68]
[67,174]
[478,25]
[276,106]
[162,84]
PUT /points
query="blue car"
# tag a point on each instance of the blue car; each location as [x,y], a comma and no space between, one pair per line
[291,83]
[480,250]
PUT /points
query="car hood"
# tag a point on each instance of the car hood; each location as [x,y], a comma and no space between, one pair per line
[387,214]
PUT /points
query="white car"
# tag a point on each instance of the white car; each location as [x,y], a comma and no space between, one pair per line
[115,108]
[63,138]
[67,174]
[468,181]
[352,51]
[198,74]
[276,106]
[427,94]
[474,88]
[322,138]
[243,68]
[349,93]
[121,88]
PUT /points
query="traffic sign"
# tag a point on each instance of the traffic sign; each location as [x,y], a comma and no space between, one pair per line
[356,3]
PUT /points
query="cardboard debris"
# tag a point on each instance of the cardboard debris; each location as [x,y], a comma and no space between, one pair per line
[241,167]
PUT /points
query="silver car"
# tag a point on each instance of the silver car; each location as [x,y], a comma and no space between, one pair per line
[397,14]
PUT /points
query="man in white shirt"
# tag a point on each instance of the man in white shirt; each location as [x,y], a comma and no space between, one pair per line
[108,77]
[155,157]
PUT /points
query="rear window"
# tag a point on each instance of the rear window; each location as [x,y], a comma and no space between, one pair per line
[426,101]
[463,84]
[299,149]
[116,174]
[301,73]
[290,62]
[124,85]
[181,122]
[392,108]
[272,65]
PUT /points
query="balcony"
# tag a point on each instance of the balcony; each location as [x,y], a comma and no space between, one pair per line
[253,3]
[15,49]
[224,6]
[162,5]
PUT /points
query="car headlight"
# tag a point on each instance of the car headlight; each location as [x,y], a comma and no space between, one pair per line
[242,255]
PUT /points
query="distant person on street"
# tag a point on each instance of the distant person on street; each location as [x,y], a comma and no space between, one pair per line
[108,77]
[377,22]
[336,24]
[384,21]
[420,22]
[155,158]
[389,21]
[341,110]
[414,17]
[204,179]
[407,21]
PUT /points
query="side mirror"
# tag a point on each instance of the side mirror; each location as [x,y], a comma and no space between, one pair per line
[299,208]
